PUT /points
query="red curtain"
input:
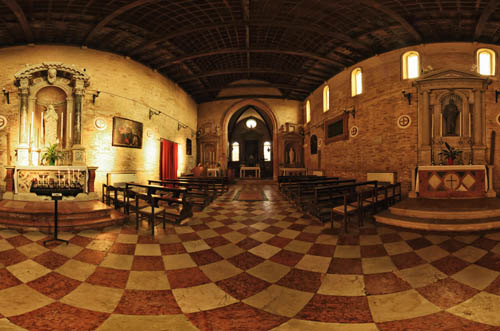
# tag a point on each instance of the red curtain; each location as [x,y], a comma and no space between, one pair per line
[168,160]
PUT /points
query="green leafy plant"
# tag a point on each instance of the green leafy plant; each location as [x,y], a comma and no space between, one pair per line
[450,152]
[52,155]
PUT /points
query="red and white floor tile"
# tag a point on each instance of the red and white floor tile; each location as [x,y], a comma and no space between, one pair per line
[250,265]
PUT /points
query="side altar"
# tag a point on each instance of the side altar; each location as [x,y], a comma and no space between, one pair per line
[36,183]
[452,151]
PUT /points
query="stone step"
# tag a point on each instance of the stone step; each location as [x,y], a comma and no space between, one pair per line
[438,224]
[114,218]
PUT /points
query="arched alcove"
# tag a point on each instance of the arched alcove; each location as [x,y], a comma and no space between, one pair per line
[231,116]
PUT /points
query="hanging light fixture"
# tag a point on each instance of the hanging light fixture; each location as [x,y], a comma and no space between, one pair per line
[251,123]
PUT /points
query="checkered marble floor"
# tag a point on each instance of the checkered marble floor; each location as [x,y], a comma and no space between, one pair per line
[250,266]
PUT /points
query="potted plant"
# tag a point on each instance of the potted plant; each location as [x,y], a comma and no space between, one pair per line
[52,155]
[450,153]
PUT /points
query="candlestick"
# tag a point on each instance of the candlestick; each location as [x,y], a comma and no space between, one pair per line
[41,127]
[62,126]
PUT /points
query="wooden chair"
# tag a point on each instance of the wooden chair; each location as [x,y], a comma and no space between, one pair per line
[108,194]
[366,202]
[345,210]
[150,211]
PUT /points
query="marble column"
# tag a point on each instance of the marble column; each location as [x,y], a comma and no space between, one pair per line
[23,157]
[77,117]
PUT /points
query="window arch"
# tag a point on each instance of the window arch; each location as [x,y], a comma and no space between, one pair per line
[357,81]
[308,111]
[485,59]
[235,152]
[326,98]
[267,151]
[411,65]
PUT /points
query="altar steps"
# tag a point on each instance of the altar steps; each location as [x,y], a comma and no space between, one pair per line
[72,215]
[443,214]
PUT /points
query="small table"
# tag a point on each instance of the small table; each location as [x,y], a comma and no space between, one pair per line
[296,171]
[243,169]
[214,172]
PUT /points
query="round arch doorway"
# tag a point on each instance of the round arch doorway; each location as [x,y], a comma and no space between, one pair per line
[256,145]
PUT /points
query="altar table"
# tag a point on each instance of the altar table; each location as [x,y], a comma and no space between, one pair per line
[243,169]
[452,181]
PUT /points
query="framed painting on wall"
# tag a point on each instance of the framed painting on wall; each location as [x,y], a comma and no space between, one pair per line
[127,133]
[336,129]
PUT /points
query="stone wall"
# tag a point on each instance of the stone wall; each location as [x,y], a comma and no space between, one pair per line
[128,89]
[380,144]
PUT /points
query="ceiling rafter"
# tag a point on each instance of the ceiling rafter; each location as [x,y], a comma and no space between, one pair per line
[485,15]
[112,16]
[393,15]
[188,57]
[237,86]
[18,11]
[230,71]
[268,23]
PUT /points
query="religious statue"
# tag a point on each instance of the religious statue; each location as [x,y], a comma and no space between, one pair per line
[51,75]
[450,114]
[291,155]
[50,118]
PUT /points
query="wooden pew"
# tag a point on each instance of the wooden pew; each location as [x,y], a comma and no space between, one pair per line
[221,183]
[290,189]
[197,192]
[329,196]
[305,193]
[172,199]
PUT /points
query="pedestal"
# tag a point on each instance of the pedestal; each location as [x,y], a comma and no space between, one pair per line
[23,156]
[78,155]
[9,178]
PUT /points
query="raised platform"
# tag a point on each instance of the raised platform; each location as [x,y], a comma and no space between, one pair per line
[73,215]
[444,214]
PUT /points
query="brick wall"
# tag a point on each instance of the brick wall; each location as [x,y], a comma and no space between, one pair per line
[381,145]
[127,88]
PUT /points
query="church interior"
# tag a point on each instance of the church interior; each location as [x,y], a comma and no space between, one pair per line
[249,165]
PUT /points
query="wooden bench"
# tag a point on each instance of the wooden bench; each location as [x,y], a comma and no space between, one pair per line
[221,183]
[172,199]
[330,196]
[303,193]
[197,192]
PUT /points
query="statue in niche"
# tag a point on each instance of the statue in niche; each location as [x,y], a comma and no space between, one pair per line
[291,155]
[50,118]
[450,114]
[51,75]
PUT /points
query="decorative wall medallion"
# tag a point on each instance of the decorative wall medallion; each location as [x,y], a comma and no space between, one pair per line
[3,122]
[150,133]
[404,121]
[354,131]
[498,120]
[100,123]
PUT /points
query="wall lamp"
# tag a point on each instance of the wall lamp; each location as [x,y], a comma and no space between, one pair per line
[95,95]
[6,94]
[350,111]
[497,93]
[153,112]
[407,95]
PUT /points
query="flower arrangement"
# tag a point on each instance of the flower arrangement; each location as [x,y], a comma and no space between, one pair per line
[450,153]
[52,154]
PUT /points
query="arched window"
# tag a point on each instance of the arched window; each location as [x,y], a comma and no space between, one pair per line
[235,152]
[267,151]
[326,98]
[308,111]
[485,62]
[411,65]
[357,81]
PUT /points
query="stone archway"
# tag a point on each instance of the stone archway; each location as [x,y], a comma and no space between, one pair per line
[224,147]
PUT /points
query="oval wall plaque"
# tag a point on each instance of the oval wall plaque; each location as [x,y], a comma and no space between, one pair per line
[3,122]
[404,121]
